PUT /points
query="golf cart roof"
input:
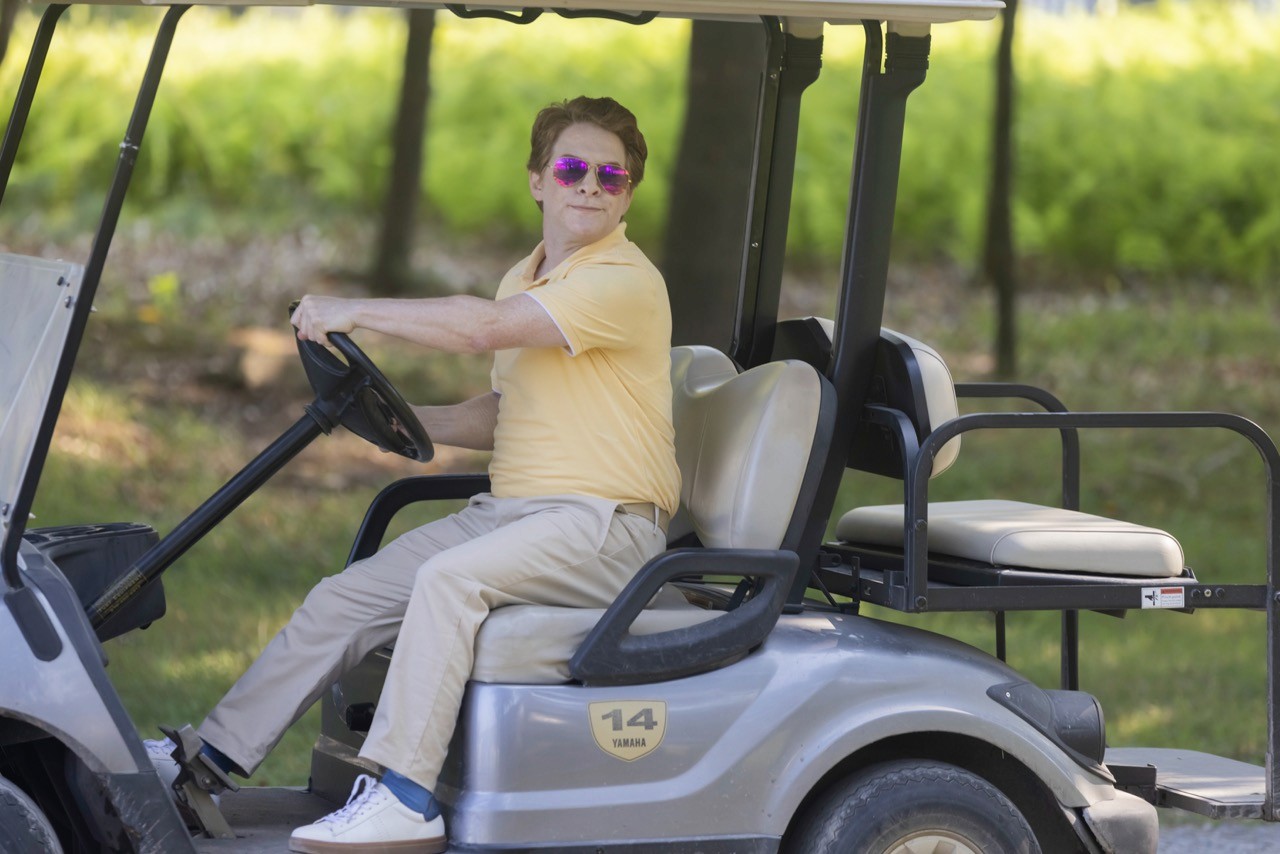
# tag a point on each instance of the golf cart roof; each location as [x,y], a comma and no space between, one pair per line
[792,11]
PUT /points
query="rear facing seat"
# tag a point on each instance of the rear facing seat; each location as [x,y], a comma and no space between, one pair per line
[1030,536]
[743,444]
[999,532]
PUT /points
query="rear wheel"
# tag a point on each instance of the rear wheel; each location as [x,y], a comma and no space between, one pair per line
[23,827]
[914,807]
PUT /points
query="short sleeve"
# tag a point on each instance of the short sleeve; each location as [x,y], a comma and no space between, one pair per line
[602,305]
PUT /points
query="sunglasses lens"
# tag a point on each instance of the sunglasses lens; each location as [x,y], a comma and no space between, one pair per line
[569,170]
[613,179]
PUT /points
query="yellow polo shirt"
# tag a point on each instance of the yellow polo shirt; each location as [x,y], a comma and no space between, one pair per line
[593,418]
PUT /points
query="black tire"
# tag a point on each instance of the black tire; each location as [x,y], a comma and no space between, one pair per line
[884,808]
[23,827]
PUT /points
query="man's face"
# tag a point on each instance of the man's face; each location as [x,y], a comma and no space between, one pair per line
[583,213]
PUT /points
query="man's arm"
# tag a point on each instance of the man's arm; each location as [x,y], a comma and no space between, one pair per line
[454,324]
[469,424]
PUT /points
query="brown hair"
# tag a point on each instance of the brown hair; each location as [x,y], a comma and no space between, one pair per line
[604,113]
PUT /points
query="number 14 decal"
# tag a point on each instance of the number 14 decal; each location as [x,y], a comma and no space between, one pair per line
[642,718]
[628,729]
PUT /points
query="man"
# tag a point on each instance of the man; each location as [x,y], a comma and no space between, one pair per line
[583,480]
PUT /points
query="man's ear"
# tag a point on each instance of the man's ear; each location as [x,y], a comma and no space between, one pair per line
[535,186]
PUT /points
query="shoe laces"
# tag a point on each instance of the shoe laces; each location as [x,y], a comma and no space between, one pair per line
[159,748]
[365,793]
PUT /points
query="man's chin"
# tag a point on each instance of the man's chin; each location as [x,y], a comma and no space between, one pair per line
[591,232]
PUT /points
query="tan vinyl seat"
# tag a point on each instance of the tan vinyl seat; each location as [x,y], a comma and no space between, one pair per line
[1012,533]
[742,443]
[1031,536]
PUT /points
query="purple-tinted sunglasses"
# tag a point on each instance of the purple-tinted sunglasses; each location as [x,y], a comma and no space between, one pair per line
[613,179]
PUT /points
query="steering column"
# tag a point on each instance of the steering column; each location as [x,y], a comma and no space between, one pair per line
[353,394]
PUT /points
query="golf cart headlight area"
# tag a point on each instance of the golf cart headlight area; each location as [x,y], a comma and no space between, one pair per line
[1071,719]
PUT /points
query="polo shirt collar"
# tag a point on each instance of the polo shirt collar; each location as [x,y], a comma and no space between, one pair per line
[603,245]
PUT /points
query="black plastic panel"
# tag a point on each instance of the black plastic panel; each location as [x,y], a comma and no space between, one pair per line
[92,557]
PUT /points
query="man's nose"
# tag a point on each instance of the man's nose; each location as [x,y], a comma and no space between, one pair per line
[590,183]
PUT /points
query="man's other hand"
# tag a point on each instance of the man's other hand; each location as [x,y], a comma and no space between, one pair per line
[315,317]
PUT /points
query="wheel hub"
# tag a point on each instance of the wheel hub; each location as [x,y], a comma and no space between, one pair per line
[933,842]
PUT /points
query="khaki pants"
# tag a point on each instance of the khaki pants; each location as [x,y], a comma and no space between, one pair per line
[429,590]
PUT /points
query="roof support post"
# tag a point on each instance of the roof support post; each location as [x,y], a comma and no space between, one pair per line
[27,92]
[882,107]
[793,62]
[93,273]
[1270,812]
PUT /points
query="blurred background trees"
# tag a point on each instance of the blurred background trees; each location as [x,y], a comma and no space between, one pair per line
[999,252]
[8,15]
[707,215]
[391,272]
[1145,152]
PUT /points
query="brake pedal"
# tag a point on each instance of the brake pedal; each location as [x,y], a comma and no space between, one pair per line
[199,779]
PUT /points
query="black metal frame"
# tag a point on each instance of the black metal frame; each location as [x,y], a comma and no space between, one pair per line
[792,64]
[899,431]
[410,490]
[916,593]
[26,610]
[913,581]
[27,92]
[205,517]
[882,107]
[529,14]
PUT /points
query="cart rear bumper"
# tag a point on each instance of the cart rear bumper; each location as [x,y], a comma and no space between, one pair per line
[1125,825]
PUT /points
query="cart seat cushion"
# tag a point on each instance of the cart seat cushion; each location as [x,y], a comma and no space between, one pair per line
[931,384]
[532,644]
[939,390]
[743,443]
[1014,534]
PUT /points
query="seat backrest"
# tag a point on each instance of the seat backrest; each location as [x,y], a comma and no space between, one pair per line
[910,376]
[744,444]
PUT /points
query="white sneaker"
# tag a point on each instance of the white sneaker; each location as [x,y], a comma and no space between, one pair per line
[160,752]
[373,820]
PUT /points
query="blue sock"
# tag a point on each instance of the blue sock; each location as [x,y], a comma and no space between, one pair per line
[415,797]
[219,758]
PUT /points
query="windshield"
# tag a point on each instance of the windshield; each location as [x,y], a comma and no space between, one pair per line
[37,296]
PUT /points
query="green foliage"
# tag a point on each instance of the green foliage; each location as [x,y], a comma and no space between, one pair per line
[1179,139]
[1143,146]
[484,99]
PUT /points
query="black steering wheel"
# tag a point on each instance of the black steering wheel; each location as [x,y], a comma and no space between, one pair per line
[357,396]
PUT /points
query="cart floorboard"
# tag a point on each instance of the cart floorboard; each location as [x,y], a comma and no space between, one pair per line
[1201,783]
[263,817]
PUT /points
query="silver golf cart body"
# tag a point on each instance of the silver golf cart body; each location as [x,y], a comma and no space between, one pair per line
[724,729]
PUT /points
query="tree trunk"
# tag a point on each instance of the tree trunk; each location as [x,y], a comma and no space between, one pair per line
[702,252]
[391,272]
[998,253]
[8,15]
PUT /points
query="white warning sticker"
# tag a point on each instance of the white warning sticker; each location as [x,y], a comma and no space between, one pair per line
[1164,597]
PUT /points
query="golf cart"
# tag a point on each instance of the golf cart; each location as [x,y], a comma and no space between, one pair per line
[732,699]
